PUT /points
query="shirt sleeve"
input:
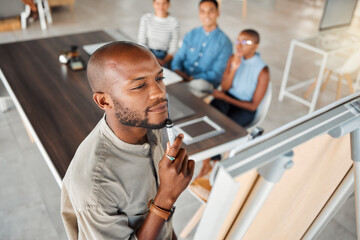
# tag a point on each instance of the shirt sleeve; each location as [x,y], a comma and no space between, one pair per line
[178,60]
[97,224]
[214,74]
[68,215]
[92,222]
[175,35]
[142,31]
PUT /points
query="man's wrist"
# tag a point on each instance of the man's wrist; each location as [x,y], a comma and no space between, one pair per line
[160,212]
[165,203]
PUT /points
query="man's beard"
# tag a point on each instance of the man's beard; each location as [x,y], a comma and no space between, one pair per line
[134,119]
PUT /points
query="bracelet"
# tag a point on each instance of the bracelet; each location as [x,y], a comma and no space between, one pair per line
[160,212]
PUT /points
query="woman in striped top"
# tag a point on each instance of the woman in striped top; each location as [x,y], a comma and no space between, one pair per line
[160,32]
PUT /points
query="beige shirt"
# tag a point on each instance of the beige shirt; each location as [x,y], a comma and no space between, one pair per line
[108,185]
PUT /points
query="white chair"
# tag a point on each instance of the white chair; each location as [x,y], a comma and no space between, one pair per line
[262,109]
[261,113]
[24,15]
[351,66]
[43,10]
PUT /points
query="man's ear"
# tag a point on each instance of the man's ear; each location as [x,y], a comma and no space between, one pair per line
[102,100]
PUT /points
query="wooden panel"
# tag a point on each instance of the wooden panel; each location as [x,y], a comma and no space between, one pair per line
[247,181]
[320,165]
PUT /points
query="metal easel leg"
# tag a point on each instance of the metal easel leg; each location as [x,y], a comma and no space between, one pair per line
[270,174]
[355,156]
[342,193]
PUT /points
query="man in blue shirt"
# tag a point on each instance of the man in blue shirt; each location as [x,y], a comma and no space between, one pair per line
[205,50]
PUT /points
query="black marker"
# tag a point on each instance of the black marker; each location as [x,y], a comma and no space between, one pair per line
[170,131]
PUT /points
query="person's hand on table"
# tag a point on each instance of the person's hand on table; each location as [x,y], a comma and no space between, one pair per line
[175,175]
[218,94]
[185,77]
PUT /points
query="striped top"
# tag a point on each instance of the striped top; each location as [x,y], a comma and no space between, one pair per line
[159,33]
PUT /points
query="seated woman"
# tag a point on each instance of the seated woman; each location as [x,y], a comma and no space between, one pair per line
[243,85]
[160,32]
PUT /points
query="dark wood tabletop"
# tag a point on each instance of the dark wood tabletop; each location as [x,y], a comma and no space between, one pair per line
[58,101]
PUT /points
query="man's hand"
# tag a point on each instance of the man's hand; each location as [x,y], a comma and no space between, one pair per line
[175,175]
[218,94]
[174,178]
[185,77]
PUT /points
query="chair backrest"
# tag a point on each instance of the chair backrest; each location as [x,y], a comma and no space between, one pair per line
[262,109]
[351,65]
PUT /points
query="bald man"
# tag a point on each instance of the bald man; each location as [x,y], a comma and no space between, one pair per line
[120,183]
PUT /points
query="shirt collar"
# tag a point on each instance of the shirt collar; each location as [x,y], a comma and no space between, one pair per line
[128,147]
[252,59]
[215,31]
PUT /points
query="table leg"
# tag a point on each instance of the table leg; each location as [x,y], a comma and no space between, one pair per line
[338,90]
[310,89]
[350,85]
[24,15]
[323,86]
[41,14]
[47,11]
[286,71]
[318,83]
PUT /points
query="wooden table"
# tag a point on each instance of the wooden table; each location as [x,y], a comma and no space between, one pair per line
[56,103]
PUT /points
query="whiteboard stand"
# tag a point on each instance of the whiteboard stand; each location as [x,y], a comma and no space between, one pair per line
[270,174]
[336,119]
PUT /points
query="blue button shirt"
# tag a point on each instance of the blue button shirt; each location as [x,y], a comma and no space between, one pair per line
[203,55]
